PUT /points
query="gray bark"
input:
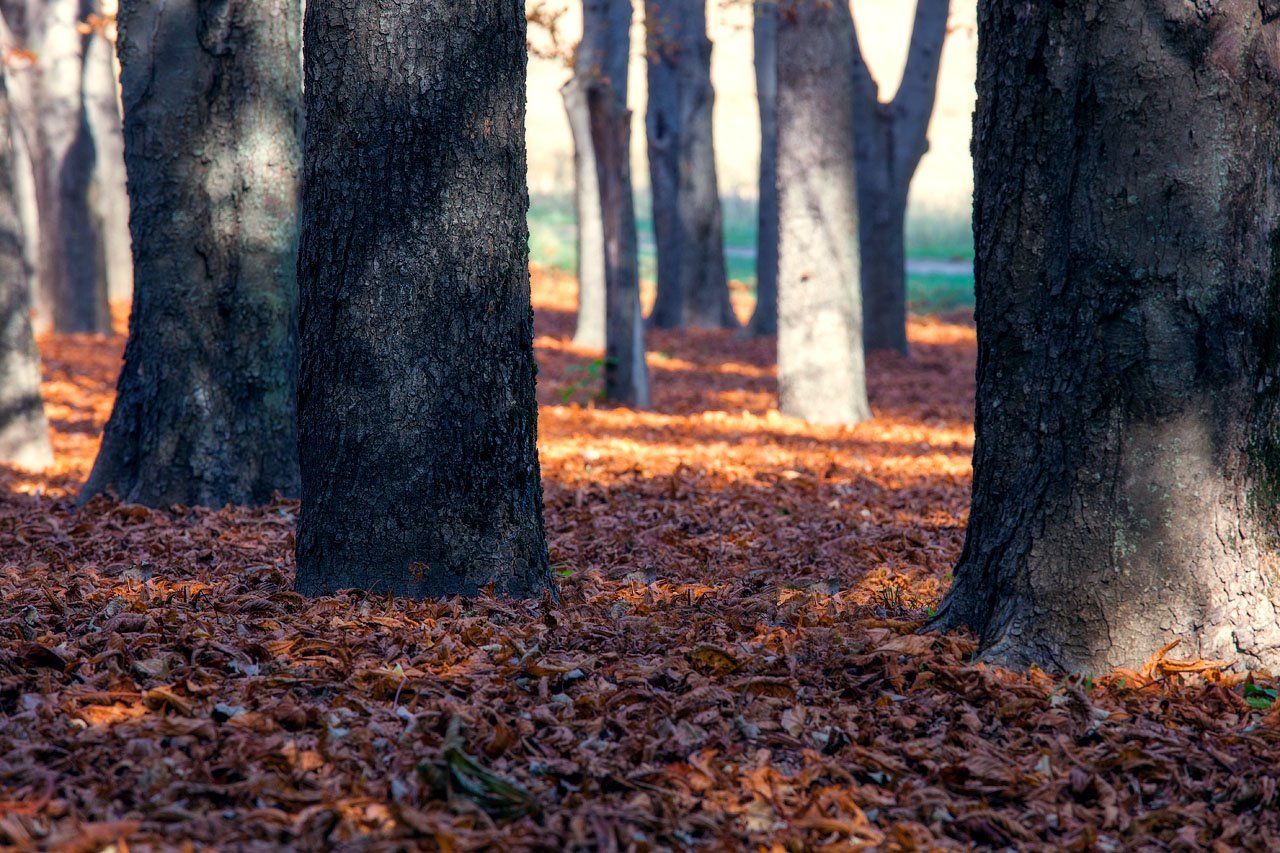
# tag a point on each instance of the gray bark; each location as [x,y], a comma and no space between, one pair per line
[604,54]
[693,285]
[1127,216]
[821,376]
[417,411]
[891,139]
[205,407]
[102,103]
[764,320]
[24,432]
[49,99]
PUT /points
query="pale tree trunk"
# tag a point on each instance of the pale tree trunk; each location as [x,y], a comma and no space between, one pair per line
[110,195]
[417,412]
[205,406]
[1127,216]
[693,285]
[764,320]
[891,139]
[604,54]
[49,98]
[24,432]
[821,376]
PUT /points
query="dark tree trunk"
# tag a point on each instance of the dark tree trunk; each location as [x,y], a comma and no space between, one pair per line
[1127,217]
[626,376]
[693,285]
[110,197]
[820,362]
[764,321]
[24,433]
[50,101]
[205,408]
[417,412]
[891,138]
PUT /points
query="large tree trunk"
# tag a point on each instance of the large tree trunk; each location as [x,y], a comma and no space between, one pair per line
[1127,217]
[693,285]
[891,139]
[821,377]
[764,320]
[603,54]
[205,410]
[111,198]
[24,433]
[49,97]
[417,412]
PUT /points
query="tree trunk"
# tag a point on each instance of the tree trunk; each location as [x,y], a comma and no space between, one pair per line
[24,432]
[604,53]
[205,408]
[693,285]
[626,375]
[1127,215]
[111,198]
[417,412]
[764,321]
[50,101]
[820,363]
[891,139]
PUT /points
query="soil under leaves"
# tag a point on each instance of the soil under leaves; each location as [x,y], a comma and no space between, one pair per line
[733,663]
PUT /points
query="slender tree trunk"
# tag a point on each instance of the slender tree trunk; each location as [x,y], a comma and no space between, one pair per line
[205,408]
[24,432]
[417,412]
[764,321]
[109,193]
[821,377]
[1127,464]
[626,376]
[891,139]
[693,285]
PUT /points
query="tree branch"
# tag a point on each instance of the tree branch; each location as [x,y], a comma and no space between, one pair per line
[912,106]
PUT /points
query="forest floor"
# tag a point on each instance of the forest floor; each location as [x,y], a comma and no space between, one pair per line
[733,663]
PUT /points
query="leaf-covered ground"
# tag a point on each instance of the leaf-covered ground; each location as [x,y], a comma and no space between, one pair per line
[733,662]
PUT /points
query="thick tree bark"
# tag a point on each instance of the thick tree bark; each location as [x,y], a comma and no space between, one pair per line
[109,193]
[821,377]
[24,432]
[764,320]
[417,412]
[891,139]
[205,408]
[49,98]
[603,54]
[626,375]
[1127,216]
[693,284]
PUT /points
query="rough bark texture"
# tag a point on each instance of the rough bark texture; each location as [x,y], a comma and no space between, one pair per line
[764,321]
[603,54]
[820,362]
[891,138]
[1128,273]
[111,198]
[693,285]
[205,409]
[626,375]
[417,413]
[24,432]
[49,98]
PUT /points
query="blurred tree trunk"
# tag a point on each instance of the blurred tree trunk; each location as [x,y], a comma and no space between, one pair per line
[110,195]
[693,285]
[891,139]
[205,408]
[49,99]
[820,362]
[1127,462]
[603,53]
[417,412]
[764,321]
[24,432]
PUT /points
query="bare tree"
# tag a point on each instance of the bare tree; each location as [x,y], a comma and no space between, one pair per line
[764,320]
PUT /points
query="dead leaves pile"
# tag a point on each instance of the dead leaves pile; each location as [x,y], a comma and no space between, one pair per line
[733,662]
